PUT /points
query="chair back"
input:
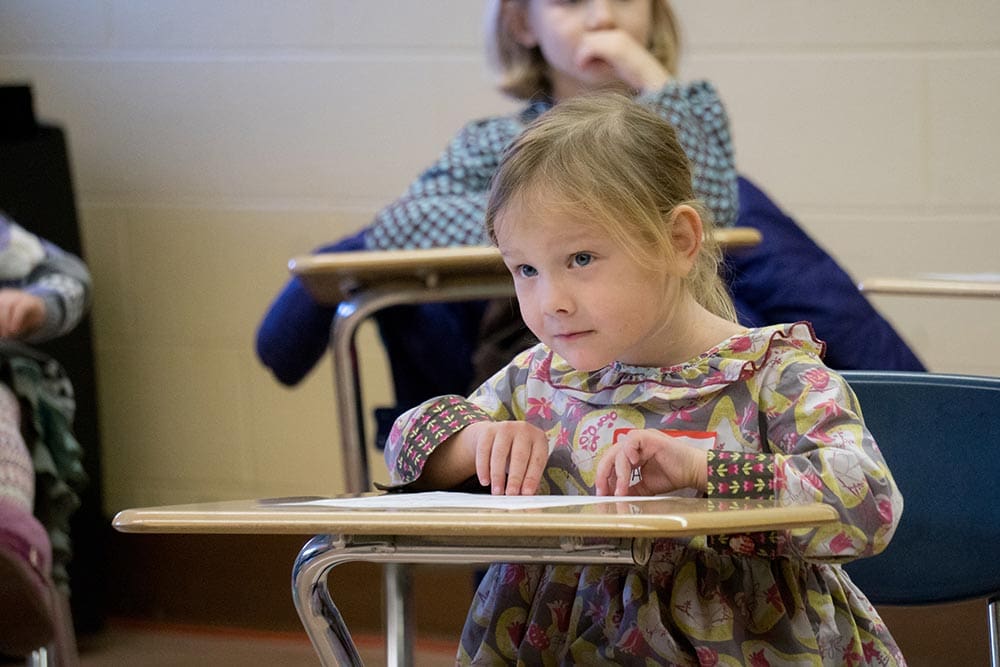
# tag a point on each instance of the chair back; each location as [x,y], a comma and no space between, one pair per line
[940,435]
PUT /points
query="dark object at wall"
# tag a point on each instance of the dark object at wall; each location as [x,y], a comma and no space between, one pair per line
[36,190]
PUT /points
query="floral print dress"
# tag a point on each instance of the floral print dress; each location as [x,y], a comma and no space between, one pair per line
[785,427]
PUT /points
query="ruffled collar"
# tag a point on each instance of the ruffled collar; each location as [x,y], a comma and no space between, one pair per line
[733,360]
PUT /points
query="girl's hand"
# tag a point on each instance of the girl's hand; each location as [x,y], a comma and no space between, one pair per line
[21,313]
[631,61]
[665,463]
[510,455]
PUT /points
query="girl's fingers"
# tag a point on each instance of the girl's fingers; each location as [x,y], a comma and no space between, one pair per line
[483,451]
[606,473]
[623,473]
[536,466]
[528,455]
[499,457]
[511,460]
[517,466]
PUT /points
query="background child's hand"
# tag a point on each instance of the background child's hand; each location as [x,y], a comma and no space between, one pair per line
[510,455]
[635,65]
[666,464]
[21,313]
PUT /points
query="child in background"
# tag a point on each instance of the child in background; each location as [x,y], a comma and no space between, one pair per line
[44,293]
[444,205]
[594,214]
[546,52]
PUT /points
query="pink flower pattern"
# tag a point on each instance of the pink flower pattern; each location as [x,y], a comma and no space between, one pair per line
[707,657]
[560,612]
[539,407]
[537,637]
[632,643]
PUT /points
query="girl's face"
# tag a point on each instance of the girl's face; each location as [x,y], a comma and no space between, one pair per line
[583,295]
[561,28]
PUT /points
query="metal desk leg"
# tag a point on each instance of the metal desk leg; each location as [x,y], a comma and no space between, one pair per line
[398,605]
[994,623]
[347,384]
[38,658]
[323,621]
[320,617]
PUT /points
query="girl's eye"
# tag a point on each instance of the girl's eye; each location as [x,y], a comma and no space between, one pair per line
[582,258]
[526,271]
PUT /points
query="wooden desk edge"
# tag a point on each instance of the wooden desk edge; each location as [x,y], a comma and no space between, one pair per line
[930,287]
[523,523]
[482,258]
[731,238]
[330,277]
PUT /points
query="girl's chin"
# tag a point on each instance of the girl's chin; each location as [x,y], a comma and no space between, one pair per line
[585,364]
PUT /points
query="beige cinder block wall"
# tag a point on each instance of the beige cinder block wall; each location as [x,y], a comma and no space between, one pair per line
[213,140]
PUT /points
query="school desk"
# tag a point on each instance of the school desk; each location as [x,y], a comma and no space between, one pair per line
[598,531]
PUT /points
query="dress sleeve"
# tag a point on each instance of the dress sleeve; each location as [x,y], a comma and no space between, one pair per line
[697,113]
[446,205]
[822,452]
[419,431]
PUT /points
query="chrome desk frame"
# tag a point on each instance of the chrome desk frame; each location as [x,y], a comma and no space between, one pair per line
[349,316]
[324,623]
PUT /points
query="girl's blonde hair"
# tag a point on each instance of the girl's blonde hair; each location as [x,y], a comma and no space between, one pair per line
[616,164]
[523,72]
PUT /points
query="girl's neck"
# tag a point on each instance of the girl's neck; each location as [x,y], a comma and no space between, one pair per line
[694,330]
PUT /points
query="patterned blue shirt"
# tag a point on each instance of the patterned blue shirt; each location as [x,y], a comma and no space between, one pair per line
[446,205]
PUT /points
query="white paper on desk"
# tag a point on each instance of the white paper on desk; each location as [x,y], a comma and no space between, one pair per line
[452,499]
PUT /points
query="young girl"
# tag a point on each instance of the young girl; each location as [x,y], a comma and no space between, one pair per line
[593,211]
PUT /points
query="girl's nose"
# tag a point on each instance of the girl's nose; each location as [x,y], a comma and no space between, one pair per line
[600,15]
[556,300]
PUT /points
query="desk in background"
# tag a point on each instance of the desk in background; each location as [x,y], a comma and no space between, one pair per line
[606,531]
[979,285]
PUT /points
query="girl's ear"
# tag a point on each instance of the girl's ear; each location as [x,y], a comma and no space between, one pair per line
[515,17]
[686,234]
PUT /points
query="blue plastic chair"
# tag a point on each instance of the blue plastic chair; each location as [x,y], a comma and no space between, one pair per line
[940,435]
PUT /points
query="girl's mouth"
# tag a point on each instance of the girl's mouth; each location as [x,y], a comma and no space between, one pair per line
[571,336]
